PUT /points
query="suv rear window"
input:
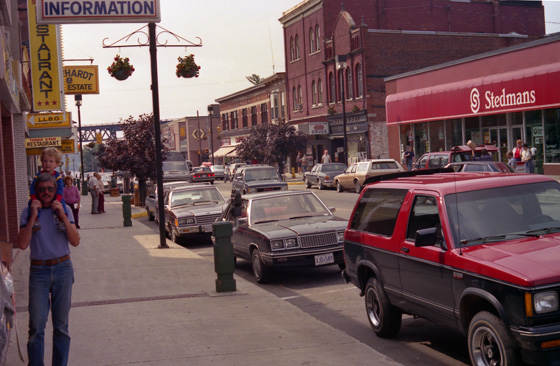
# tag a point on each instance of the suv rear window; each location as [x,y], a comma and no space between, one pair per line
[378,210]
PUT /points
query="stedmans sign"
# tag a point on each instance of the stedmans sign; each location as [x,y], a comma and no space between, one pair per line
[98,11]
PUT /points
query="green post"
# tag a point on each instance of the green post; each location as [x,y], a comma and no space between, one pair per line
[224,263]
[84,187]
[126,210]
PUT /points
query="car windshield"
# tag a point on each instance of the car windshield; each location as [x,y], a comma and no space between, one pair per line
[261,174]
[287,207]
[503,213]
[174,165]
[196,196]
[201,169]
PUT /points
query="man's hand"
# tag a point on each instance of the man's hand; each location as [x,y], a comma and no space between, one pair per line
[57,207]
[36,205]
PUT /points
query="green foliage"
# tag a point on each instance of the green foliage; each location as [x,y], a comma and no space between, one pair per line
[254,79]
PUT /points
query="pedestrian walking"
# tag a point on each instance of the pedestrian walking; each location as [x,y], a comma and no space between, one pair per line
[527,158]
[101,204]
[409,157]
[51,275]
[298,162]
[71,195]
[93,186]
[326,157]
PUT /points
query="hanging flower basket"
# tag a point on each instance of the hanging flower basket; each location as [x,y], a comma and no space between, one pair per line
[186,67]
[120,69]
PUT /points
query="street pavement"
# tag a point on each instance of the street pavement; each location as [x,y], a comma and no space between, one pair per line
[135,304]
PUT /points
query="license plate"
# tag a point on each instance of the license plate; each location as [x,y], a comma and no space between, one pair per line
[207,228]
[324,259]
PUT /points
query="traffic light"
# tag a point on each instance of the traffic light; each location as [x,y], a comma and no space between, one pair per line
[206,151]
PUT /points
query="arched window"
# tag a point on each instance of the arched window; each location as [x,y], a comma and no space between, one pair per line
[319,92]
[292,50]
[313,93]
[360,81]
[311,40]
[294,99]
[318,37]
[297,47]
[332,88]
[300,98]
[340,85]
[349,84]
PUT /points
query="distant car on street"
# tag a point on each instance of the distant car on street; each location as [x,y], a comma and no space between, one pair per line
[322,175]
[175,170]
[231,169]
[356,174]
[151,201]
[257,178]
[481,166]
[284,229]
[439,159]
[201,174]
[219,171]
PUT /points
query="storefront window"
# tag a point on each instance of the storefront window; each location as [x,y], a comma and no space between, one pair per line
[552,135]
[472,130]
[453,132]
[406,137]
[437,136]
[534,136]
[421,143]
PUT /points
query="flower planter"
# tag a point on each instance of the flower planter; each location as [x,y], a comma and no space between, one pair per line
[188,73]
[121,74]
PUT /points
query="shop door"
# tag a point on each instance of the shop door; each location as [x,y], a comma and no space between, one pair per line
[498,138]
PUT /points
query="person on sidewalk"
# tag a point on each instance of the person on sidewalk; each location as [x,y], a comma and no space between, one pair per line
[71,195]
[101,204]
[326,157]
[51,275]
[93,186]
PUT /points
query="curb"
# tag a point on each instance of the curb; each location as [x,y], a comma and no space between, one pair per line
[140,214]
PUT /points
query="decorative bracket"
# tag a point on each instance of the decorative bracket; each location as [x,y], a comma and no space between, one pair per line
[143,39]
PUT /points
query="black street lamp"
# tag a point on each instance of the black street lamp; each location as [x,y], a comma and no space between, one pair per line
[78,99]
[212,109]
[340,61]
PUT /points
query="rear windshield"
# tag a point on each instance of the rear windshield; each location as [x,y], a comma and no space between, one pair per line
[175,165]
[378,210]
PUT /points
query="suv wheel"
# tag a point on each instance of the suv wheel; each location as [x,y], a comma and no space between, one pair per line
[339,188]
[261,272]
[150,216]
[489,342]
[385,319]
[358,186]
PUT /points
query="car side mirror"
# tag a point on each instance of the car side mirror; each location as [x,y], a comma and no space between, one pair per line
[426,237]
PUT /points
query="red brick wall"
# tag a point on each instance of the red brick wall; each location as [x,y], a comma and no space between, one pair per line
[8,199]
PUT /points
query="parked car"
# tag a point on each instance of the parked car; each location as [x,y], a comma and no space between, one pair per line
[219,171]
[481,166]
[476,252]
[460,153]
[322,175]
[201,174]
[230,170]
[192,209]
[356,174]
[257,178]
[151,201]
[175,170]
[282,229]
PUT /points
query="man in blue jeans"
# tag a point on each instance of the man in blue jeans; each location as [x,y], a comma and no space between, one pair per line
[51,275]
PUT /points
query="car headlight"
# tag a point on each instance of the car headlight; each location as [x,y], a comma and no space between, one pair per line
[250,190]
[291,243]
[545,302]
[277,244]
[340,236]
[184,221]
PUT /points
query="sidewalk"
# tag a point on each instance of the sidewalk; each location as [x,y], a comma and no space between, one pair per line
[134,304]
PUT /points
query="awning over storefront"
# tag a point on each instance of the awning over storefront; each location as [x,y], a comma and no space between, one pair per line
[225,150]
[520,90]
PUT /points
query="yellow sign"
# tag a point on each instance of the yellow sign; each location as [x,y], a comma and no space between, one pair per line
[47,120]
[46,63]
[43,142]
[67,147]
[83,79]
[98,138]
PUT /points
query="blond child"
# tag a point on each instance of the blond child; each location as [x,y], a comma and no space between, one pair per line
[50,160]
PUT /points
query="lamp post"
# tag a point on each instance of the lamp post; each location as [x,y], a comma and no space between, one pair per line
[78,99]
[211,108]
[340,67]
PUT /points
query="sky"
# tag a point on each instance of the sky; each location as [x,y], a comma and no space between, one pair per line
[237,41]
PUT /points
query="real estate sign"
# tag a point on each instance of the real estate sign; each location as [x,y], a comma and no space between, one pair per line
[81,79]
[98,11]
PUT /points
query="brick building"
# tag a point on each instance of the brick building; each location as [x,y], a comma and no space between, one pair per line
[261,103]
[377,39]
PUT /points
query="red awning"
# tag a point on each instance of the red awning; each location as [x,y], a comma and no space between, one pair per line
[527,89]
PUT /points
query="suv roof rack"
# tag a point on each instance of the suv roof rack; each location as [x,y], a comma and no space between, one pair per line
[412,173]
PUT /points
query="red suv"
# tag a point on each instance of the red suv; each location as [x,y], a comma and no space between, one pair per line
[479,253]
[460,153]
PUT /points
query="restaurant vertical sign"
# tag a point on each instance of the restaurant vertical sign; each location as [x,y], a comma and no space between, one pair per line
[46,62]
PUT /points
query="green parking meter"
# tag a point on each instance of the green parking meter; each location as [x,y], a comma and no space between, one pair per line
[224,262]
[127,210]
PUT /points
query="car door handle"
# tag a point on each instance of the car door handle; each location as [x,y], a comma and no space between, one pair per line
[405,250]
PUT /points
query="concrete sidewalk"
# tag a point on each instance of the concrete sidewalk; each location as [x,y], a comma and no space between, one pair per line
[134,304]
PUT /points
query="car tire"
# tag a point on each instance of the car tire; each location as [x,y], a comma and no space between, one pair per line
[174,237]
[339,188]
[321,185]
[384,318]
[150,216]
[489,341]
[307,183]
[261,272]
[358,186]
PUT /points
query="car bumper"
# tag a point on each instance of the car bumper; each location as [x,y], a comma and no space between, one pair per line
[532,341]
[193,229]
[300,258]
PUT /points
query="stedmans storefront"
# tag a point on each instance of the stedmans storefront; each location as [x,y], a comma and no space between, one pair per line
[494,99]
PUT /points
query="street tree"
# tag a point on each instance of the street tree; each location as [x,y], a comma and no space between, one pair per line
[272,144]
[254,79]
[135,152]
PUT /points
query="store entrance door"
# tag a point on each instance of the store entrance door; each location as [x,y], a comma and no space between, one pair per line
[498,138]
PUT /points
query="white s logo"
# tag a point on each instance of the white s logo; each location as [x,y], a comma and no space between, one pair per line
[475,100]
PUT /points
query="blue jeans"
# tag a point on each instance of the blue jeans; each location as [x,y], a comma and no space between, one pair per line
[55,281]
